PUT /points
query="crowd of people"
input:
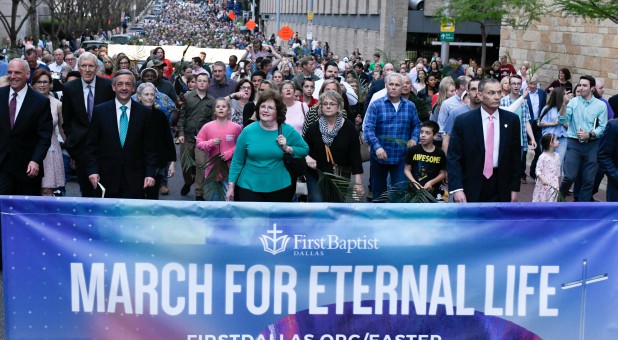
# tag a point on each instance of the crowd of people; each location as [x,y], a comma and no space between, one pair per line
[272,124]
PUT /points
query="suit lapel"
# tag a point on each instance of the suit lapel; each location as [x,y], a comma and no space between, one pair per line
[4,110]
[25,108]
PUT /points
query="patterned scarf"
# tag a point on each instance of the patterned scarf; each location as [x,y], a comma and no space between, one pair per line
[328,136]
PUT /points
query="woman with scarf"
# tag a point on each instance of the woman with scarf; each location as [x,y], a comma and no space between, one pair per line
[333,147]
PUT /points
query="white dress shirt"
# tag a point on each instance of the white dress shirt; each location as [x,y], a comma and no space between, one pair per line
[21,95]
[485,117]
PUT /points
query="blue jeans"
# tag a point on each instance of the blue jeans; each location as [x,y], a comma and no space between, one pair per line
[380,174]
[313,189]
[580,157]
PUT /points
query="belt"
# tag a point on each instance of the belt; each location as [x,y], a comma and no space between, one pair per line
[582,141]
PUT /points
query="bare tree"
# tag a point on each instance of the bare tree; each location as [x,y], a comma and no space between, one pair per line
[9,21]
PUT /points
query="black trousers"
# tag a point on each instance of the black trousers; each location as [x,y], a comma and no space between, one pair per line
[283,195]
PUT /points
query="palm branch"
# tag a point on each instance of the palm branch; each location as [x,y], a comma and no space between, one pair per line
[399,141]
[405,192]
[336,188]
[219,172]
[422,107]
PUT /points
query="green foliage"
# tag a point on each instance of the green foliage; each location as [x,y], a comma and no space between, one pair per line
[336,188]
[590,9]
[406,192]
[385,58]
[219,172]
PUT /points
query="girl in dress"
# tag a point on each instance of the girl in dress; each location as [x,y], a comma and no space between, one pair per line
[218,139]
[547,171]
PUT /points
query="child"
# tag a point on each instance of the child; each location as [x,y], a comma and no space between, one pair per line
[425,163]
[547,171]
[218,139]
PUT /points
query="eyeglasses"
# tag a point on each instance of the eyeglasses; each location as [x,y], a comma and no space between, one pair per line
[268,108]
[245,88]
[330,104]
[43,82]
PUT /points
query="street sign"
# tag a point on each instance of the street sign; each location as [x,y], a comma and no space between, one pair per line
[447,27]
[250,25]
[286,32]
[309,15]
[231,15]
[448,36]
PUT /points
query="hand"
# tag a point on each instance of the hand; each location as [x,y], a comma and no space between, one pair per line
[525,92]
[381,154]
[411,143]
[229,196]
[359,189]
[216,141]
[171,170]
[311,162]
[222,156]
[460,197]
[581,135]
[283,143]
[567,97]
[513,196]
[94,180]
[181,139]
[532,144]
[428,186]
[149,182]
[33,169]
[550,89]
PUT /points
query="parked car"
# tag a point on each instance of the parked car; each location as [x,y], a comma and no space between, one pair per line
[88,43]
[136,30]
[120,39]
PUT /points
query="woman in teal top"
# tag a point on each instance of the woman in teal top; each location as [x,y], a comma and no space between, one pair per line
[257,171]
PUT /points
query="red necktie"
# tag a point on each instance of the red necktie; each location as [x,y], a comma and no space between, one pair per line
[12,109]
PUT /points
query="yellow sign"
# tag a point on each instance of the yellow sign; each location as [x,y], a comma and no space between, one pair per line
[447,27]
[310,15]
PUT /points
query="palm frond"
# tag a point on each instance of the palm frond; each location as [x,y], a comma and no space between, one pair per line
[219,172]
[399,141]
[422,107]
[336,188]
[186,160]
[405,192]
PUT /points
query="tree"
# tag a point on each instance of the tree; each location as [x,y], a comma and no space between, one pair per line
[591,9]
[491,13]
[10,23]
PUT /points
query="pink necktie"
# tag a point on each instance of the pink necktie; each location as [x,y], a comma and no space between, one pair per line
[488,169]
[13,109]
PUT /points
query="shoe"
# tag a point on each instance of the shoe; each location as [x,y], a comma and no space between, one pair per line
[185,189]
[165,190]
[199,198]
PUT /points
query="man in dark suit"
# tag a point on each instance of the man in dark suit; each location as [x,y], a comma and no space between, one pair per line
[25,133]
[537,99]
[79,98]
[608,158]
[483,158]
[120,151]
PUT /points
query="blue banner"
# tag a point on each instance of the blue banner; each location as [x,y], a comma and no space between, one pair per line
[128,269]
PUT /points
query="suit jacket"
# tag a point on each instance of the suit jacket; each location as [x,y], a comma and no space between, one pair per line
[466,155]
[31,135]
[608,158]
[75,118]
[115,164]
[542,103]
[374,87]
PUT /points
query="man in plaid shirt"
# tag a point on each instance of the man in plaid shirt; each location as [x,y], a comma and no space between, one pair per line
[391,126]
[510,103]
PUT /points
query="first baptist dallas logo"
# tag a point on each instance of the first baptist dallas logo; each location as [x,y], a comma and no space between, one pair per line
[276,242]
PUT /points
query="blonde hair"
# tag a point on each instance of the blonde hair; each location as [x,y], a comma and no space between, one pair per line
[444,85]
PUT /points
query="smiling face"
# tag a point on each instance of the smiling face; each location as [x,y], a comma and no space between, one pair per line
[123,85]
[43,84]
[18,74]
[147,97]
[268,111]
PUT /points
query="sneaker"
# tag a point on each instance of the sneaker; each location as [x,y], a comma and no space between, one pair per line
[185,189]
[199,198]
[165,190]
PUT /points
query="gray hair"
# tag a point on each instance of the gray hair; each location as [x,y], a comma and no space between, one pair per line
[87,55]
[24,64]
[121,73]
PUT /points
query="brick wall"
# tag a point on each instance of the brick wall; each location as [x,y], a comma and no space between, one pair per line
[584,47]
